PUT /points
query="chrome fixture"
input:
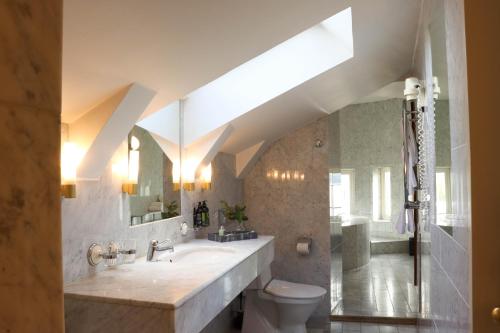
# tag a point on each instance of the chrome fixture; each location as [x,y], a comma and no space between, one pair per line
[318,143]
[155,246]
[96,254]
[416,141]
[184,228]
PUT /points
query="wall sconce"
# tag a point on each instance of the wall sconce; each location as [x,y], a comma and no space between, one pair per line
[130,184]
[176,175]
[287,175]
[70,158]
[188,174]
[206,177]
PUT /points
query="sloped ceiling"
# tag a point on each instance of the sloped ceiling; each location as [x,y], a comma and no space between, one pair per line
[175,47]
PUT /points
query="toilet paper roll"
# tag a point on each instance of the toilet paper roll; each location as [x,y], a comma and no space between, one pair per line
[303,249]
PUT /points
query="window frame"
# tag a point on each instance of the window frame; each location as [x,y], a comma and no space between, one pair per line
[384,213]
[351,174]
[447,179]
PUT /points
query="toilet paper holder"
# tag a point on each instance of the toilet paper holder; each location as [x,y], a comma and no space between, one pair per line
[304,246]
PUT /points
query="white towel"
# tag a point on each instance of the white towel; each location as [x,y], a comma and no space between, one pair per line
[411,220]
[411,180]
[405,220]
[412,160]
[412,146]
[401,221]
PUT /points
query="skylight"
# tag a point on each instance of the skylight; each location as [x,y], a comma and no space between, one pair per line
[269,75]
[164,123]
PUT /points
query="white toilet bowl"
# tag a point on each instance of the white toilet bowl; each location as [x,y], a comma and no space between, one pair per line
[279,307]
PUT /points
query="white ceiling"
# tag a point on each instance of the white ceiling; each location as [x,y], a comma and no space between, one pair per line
[392,90]
[175,47]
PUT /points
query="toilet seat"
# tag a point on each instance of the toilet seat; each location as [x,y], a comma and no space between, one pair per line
[290,290]
[274,306]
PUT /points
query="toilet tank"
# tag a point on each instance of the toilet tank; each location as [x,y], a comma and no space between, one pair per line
[262,280]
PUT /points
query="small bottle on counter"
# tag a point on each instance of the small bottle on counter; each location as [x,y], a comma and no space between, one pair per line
[205,214]
[194,217]
[199,215]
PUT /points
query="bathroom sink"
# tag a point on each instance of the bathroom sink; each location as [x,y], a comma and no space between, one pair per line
[200,255]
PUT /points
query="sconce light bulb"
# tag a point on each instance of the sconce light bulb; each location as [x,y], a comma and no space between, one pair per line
[176,175]
[206,174]
[134,143]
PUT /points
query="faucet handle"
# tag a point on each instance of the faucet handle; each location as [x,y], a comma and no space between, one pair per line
[184,228]
[151,249]
[166,241]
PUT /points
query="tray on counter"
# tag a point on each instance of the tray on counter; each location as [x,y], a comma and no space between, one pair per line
[231,236]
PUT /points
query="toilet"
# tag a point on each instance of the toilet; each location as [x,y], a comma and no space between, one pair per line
[277,306]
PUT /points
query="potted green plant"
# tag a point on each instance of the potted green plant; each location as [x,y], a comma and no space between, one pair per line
[171,210]
[236,213]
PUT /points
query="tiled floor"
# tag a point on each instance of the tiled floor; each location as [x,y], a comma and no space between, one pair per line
[384,287]
[371,328]
[367,328]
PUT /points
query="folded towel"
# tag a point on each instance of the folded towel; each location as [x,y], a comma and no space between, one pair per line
[412,147]
[401,221]
[411,220]
[405,220]
[411,181]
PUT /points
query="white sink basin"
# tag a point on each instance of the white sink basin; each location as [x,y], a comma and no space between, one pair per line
[199,255]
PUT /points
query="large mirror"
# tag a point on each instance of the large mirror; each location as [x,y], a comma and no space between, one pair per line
[156,195]
[437,34]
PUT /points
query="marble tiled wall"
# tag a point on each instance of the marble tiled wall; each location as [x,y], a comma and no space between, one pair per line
[225,186]
[443,146]
[450,273]
[291,209]
[369,137]
[31,297]
[101,213]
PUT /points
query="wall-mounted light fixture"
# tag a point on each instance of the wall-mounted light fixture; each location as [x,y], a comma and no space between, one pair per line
[70,158]
[206,177]
[286,175]
[176,175]
[188,174]
[130,184]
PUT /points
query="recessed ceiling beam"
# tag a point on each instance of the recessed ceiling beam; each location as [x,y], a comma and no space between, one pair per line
[203,151]
[246,159]
[101,131]
[171,149]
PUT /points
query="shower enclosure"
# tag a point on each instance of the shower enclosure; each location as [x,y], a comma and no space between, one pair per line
[373,273]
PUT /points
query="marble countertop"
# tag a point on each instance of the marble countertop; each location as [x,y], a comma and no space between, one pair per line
[162,283]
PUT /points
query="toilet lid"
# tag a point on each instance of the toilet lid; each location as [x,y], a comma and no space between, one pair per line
[287,289]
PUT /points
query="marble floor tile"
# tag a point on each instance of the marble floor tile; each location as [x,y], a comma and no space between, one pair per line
[339,327]
[384,287]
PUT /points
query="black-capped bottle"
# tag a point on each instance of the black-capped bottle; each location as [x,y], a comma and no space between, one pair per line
[194,216]
[199,215]
[206,214]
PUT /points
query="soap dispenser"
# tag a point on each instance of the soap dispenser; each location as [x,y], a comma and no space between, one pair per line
[221,231]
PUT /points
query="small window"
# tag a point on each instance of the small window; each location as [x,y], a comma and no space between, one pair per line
[341,192]
[381,187]
[443,200]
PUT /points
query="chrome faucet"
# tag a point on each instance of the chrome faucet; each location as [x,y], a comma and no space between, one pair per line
[155,246]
